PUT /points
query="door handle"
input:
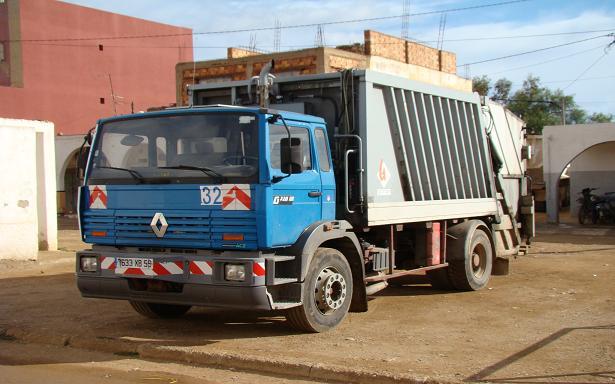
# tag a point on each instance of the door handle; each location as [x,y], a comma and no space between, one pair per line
[314,194]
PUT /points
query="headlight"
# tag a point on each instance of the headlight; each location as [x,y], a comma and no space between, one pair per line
[88,263]
[234,272]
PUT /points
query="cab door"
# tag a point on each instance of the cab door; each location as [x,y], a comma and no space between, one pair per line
[296,200]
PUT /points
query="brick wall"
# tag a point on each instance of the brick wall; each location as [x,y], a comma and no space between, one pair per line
[237,53]
[337,63]
[423,55]
[304,65]
[448,62]
[379,44]
[391,47]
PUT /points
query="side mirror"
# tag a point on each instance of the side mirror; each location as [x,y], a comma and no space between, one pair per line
[89,137]
[291,154]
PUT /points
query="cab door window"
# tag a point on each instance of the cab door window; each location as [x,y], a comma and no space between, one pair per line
[277,133]
[323,150]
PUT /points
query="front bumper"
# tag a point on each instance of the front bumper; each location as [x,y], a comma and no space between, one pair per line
[198,279]
[192,294]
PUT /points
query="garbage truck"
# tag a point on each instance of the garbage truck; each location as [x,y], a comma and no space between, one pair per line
[303,195]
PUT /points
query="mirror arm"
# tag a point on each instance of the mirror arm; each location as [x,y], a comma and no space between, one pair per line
[276,179]
[87,139]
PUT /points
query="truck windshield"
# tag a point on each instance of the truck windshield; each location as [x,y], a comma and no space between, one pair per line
[188,148]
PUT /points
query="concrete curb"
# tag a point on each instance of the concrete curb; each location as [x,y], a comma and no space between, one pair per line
[316,371]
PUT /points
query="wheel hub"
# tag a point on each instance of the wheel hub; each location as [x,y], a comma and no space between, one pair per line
[479,261]
[330,290]
[475,260]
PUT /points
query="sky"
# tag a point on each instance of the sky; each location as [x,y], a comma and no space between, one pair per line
[585,69]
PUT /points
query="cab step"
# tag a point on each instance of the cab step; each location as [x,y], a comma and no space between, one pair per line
[284,305]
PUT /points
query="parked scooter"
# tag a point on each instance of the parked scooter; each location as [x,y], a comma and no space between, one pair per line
[588,209]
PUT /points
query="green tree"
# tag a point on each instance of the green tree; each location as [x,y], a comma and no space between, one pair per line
[481,85]
[599,117]
[501,90]
[534,103]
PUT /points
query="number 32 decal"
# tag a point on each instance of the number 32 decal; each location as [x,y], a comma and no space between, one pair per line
[211,195]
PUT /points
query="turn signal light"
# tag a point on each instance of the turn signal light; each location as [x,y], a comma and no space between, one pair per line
[232,236]
[98,233]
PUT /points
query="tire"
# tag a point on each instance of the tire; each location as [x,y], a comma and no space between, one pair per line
[471,270]
[439,279]
[582,216]
[326,295]
[595,216]
[159,311]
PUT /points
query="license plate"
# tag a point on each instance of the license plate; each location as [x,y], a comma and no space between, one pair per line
[134,262]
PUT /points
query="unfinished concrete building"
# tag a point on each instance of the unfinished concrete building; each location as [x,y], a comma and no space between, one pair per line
[380,52]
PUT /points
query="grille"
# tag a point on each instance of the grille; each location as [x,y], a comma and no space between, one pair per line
[185,229]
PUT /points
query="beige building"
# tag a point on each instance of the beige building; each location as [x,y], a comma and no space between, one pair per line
[379,52]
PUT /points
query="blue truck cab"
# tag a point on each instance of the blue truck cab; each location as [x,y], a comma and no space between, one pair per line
[214,206]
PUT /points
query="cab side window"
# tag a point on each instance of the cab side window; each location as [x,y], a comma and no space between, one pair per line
[277,133]
[323,150]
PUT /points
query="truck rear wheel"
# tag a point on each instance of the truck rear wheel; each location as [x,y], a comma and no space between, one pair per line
[327,293]
[159,311]
[471,261]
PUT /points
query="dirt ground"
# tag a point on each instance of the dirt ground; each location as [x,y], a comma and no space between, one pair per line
[551,320]
[29,363]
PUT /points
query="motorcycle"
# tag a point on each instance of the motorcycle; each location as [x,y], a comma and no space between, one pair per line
[605,208]
[588,206]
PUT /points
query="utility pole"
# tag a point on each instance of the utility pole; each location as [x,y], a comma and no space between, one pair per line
[563,111]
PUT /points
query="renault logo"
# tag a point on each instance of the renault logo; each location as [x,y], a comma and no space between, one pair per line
[159,219]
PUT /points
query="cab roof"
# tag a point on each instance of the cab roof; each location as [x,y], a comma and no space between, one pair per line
[215,109]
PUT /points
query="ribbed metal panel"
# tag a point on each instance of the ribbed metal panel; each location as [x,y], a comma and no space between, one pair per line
[439,146]
[186,229]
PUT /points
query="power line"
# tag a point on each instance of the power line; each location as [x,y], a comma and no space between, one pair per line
[296,26]
[533,51]
[585,71]
[606,51]
[568,80]
[522,36]
[333,45]
[601,46]
[578,79]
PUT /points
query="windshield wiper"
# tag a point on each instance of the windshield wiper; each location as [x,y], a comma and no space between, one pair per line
[136,175]
[208,171]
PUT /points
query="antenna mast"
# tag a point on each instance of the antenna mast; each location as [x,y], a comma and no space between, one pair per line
[405,20]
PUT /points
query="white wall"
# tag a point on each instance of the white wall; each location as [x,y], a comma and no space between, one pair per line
[594,168]
[28,219]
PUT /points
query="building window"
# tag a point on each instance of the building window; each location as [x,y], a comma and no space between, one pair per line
[1,49]
[100,46]
[102,100]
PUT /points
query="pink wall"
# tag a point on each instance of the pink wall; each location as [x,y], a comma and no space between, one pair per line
[65,80]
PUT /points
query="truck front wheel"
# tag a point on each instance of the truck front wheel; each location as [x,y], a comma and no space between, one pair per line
[159,311]
[326,295]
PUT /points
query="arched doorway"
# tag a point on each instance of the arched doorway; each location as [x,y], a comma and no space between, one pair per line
[564,144]
[72,181]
